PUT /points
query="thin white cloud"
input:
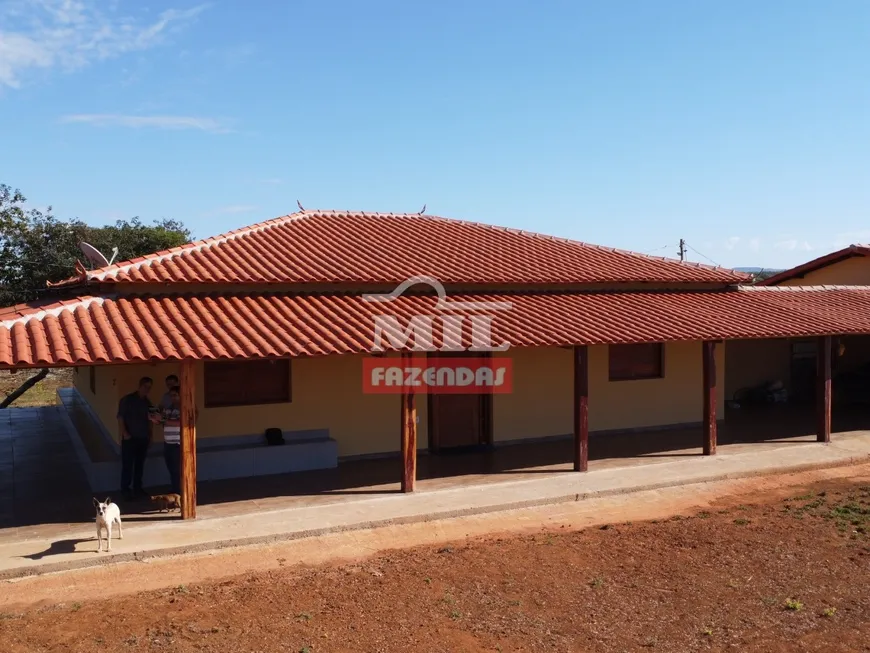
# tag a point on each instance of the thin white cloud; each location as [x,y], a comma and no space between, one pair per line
[152,122]
[790,244]
[72,34]
[847,238]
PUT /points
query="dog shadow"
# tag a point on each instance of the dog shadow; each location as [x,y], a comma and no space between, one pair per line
[60,547]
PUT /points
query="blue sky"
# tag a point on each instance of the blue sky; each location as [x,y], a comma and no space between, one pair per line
[743,127]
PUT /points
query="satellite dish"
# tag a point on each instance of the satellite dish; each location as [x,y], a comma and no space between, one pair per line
[93,255]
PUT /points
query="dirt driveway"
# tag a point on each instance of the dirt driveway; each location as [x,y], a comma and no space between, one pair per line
[769,564]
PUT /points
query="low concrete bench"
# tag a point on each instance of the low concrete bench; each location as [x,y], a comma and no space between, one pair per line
[216,458]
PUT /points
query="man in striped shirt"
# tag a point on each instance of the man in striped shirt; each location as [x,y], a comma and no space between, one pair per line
[172,437]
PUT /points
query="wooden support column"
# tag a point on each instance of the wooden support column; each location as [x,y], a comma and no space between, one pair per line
[581,408]
[823,394]
[709,374]
[409,434]
[187,381]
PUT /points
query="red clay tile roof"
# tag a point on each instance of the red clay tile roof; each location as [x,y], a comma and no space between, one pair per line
[172,327]
[816,264]
[348,247]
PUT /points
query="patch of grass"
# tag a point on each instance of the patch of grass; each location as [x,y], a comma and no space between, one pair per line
[305,649]
[182,589]
[445,549]
[76,607]
[596,582]
[43,393]
[448,599]
[455,614]
[707,632]
[741,522]
[794,605]
[704,515]
[829,612]
[304,616]
[427,580]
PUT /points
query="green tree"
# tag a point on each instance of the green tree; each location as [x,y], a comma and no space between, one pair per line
[37,248]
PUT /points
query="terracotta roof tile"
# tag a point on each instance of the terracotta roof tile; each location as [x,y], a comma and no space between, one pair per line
[353,247]
[202,326]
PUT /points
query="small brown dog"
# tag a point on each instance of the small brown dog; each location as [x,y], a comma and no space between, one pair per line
[167,502]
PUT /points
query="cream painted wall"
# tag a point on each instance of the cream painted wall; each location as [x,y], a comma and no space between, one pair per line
[326,394]
[541,403]
[853,271]
[677,398]
[105,401]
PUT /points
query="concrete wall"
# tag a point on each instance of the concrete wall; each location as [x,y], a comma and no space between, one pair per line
[853,271]
[327,394]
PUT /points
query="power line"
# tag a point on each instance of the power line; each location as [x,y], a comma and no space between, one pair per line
[657,249]
[701,255]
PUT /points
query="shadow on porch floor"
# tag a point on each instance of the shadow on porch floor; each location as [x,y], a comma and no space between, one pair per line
[41,483]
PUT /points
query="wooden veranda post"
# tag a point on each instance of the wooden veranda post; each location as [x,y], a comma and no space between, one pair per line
[823,400]
[187,380]
[709,373]
[581,408]
[409,434]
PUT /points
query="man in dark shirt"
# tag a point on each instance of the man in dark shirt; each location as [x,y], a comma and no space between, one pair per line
[135,419]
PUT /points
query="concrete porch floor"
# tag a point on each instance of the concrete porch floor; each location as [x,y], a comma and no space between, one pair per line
[48,518]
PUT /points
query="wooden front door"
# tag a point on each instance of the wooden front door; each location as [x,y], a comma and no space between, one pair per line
[458,421]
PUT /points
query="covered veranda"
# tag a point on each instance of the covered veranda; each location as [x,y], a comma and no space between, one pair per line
[45,493]
[188,328]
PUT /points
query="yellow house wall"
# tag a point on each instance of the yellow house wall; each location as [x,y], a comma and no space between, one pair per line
[327,394]
[104,402]
[853,271]
[541,402]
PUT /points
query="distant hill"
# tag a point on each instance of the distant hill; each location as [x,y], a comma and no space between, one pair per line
[759,273]
[757,270]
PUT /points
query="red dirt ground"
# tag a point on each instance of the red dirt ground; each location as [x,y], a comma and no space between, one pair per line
[776,575]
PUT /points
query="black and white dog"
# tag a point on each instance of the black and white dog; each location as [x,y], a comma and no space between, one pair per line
[108,514]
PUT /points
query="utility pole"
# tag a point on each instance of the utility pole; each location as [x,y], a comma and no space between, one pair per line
[682,250]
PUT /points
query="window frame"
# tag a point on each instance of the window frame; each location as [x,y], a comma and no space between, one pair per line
[231,403]
[635,376]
